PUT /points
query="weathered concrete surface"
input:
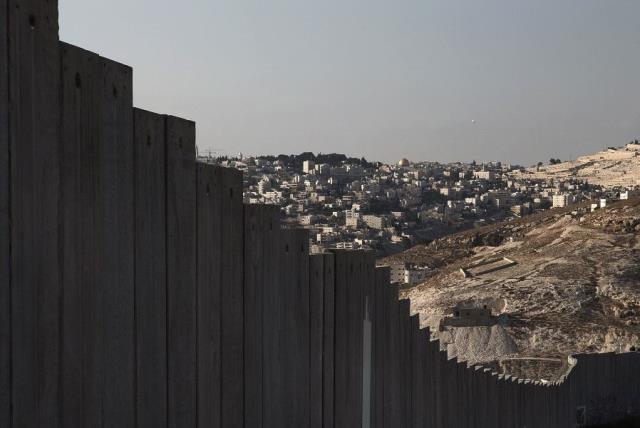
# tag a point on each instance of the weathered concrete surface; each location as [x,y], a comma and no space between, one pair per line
[5,229]
[316,327]
[97,240]
[34,118]
[232,324]
[151,269]
[273,391]
[328,337]
[232,309]
[209,293]
[259,220]
[181,273]
[117,278]
[379,342]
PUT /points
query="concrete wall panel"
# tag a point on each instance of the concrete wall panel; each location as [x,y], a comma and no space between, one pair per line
[209,289]
[417,395]
[259,220]
[273,391]
[316,308]
[302,323]
[368,340]
[98,240]
[406,375]
[328,354]
[34,119]
[379,343]
[393,373]
[5,228]
[355,317]
[253,278]
[232,298]
[341,373]
[181,273]
[151,270]
[117,270]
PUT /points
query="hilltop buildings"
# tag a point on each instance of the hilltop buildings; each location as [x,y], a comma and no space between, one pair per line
[350,203]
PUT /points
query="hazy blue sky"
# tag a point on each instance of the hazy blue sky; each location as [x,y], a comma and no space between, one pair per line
[380,79]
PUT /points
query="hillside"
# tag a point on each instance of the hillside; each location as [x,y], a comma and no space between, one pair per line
[614,167]
[573,287]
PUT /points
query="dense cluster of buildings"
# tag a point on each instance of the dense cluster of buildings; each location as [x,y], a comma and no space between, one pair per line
[354,204]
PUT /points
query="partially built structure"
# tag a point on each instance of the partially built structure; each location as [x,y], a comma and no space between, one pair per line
[136,289]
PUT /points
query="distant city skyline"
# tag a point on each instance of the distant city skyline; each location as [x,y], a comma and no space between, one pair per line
[427,80]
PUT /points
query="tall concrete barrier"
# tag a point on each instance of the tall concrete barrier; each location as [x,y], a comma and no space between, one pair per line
[368,341]
[273,368]
[301,331]
[210,195]
[328,342]
[259,221]
[393,370]
[98,241]
[232,297]
[151,269]
[31,37]
[5,229]
[181,273]
[136,289]
[316,326]
[380,310]
[343,263]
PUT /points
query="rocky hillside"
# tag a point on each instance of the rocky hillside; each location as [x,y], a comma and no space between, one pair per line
[614,167]
[573,287]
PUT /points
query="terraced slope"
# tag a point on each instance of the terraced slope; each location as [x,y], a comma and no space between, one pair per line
[575,288]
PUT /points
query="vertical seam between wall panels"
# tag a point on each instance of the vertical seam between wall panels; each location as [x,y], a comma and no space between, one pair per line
[166,265]
[61,254]
[219,297]
[335,313]
[244,324]
[196,307]
[244,270]
[322,325]
[135,273]
[10,205]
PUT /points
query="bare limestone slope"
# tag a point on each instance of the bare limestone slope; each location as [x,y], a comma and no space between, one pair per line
[614,167]
[575,288]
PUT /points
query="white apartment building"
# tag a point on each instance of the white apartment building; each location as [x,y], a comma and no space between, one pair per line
[563,200]
[352,219]
[308,166]
[484,175]
[408,274]
[374,221]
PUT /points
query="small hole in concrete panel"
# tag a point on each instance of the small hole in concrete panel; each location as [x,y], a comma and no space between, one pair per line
[286,248]
[149,140]
[302,248]
[231,193]
[32,21]
[180,142]
[78,81]
[115,92]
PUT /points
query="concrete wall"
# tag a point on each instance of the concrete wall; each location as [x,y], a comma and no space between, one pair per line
[136,290]
[31,98]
